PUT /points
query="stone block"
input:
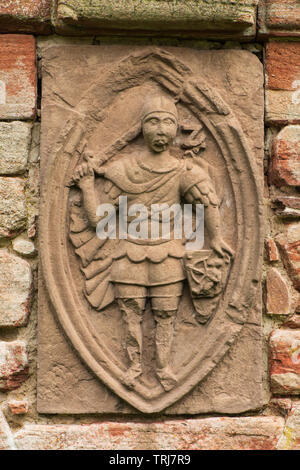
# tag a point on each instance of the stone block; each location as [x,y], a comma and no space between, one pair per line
[293,321]
[6,439]
[17,77]
[25,16]
[15,290]
[200,18]
[23,246]
[12,206]
[271,250]
[290,439]
[278,18]
[285,362]
[289,245]
[282,62]
[281,405]
[68,383]
[277,293]
[245,433]
[284,167]
[15,139]
[18,407]
[13,364]
[287,207]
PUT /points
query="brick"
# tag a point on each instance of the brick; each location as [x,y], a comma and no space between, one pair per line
[287,206]
[201,18]
[282,65]
[15,139]
[293,321]
[282,107]
[13,364]
[12,206]
[290,439]
[6,439]
[15,290]
[284,169]
[283,405]
[277,293]
[285,362]
[279,18]
[194,434]
[17,77]
[25,16]
[289,245]
[271,250]
[18,407]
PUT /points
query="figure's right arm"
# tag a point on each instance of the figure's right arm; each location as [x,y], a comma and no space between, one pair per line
[85,179]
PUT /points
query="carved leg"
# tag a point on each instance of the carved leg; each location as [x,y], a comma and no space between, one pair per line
[163,340]
[165,300]
[132,310]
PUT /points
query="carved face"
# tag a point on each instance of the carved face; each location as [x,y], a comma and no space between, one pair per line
[159,130]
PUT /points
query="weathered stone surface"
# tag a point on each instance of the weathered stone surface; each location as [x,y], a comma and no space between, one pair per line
[283,405]
[15,290]
[282,107]
[15,138]
[6,439]
[18,407]
[285,362]
[25,16]
[285,159]
[271,250]
[287,207]
[282,62]
[210,18]
[289,245]
[23,246]
[290,439]
[12,206]
[293,321]
[13,364]
[65,383]
[278,297]
[17,77]
[218,393]
[254,433]
[279,18]
[33,184]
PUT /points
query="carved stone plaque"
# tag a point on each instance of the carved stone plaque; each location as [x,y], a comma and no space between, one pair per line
[133,318]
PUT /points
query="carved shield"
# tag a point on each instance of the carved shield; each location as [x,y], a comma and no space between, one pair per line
[106,118]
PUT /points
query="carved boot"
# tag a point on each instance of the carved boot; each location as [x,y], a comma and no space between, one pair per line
[132,315]
[163,339]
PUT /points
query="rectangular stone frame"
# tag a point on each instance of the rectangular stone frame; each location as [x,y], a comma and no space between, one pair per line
[65,385]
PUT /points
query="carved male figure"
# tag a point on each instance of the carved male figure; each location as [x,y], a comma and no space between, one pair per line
[152,268]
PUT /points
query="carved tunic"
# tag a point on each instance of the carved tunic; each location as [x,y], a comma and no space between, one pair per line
[144,262]
[132,177]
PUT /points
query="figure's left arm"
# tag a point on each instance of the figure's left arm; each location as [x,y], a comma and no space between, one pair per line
[202,192]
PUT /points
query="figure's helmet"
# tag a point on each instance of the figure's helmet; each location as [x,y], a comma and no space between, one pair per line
[159,103]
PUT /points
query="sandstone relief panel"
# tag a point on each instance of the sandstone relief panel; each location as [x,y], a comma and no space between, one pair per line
[151,231]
